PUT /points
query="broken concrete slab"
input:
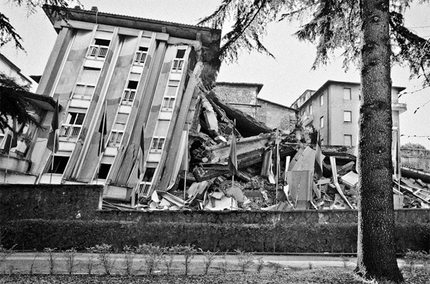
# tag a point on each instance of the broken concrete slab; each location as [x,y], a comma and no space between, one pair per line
[246,124]
[224,203]
[336,183]
[300,185]
[350,179]
[236,193]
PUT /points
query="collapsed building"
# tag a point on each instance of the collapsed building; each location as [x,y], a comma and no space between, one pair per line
[276,170]
[138,114]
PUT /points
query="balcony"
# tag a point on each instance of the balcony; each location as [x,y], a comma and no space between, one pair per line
[13,163]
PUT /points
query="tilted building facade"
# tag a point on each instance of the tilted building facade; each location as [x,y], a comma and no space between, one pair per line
[124,84]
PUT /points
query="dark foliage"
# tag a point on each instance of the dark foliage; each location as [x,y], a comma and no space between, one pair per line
[13,103]
[8,32]
[332,25]
[81,234]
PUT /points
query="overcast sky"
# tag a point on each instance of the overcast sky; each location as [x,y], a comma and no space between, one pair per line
[284,79]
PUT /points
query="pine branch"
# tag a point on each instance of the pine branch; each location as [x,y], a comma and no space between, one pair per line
[238,31]
[8,33]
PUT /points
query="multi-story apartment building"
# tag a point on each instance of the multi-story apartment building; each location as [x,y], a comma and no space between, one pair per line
[123,84]
[334,108]
[8,68]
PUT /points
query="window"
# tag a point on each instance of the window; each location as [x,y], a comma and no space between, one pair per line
[178,62]
[89,76]
[140,56]
[102,42]
[168,104]
[83,92]
[115,138]
[129,92]
[321,121]
[157,144]
[310,109]
[59,165]
[99,49]
[149,174]
[73,124]
[347,116]
[120,121]
[132,85]
[347,93]
[169,98]
[86,84]
[347,140]
[146,183]
[162,128]
[322,100]
[104,171]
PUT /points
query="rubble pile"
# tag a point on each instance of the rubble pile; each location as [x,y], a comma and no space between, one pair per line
[275,170]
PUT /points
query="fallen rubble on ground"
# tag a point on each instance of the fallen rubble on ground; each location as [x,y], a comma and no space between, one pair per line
[276,170]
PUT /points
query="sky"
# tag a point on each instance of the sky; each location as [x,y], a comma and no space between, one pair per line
[285,78]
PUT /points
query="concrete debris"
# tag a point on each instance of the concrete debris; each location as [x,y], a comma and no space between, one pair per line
[269,177]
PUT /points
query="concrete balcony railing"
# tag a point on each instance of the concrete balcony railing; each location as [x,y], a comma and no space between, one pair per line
[13,163]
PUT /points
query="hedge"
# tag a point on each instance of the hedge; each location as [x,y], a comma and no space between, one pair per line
[80,234]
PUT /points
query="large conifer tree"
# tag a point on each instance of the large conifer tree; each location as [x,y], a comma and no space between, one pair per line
[372,34]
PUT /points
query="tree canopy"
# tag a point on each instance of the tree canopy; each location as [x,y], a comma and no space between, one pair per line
[331,25]
[13,103]
[8,32]
[372,34]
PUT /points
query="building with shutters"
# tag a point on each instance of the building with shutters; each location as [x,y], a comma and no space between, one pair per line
[127,88]
[334,110]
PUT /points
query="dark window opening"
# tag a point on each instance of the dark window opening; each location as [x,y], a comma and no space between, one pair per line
[104,170]
[180,53]
[59,165]
[132,85]
[149,174]
[102,42]
[141,48]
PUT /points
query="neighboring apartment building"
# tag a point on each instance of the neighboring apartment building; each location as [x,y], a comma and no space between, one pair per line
[244,97]
[8,68]
[123,83]
[334,110]
[11,70]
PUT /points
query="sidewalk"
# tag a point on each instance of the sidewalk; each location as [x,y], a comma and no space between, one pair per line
[39,263]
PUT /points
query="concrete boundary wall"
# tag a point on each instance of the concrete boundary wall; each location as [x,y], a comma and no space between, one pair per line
[82,202]
[39,216]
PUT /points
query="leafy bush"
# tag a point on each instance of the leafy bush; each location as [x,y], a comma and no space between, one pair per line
[70,260]
[51,259]
[104,251]
[209,258]
[245,259]
[188,251]
[152,254]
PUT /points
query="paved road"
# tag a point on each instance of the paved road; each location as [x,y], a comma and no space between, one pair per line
[39,263]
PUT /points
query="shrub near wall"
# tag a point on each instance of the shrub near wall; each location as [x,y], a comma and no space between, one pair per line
[65,234]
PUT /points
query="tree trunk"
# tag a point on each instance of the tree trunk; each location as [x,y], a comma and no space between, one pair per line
[376,246]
